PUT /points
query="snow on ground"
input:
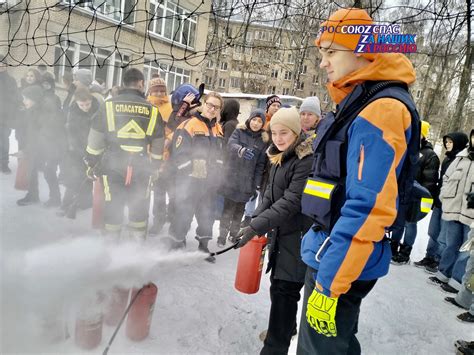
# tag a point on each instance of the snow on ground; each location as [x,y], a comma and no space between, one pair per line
[49,264]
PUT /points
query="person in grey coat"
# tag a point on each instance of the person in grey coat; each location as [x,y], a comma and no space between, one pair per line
[245,163]
[279,214]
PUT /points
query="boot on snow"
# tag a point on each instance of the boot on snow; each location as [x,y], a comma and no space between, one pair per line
[394,245]
[466,317]
[27,200]
[203,242]
[464,344]
[403,256]
[426,261]
[53,202]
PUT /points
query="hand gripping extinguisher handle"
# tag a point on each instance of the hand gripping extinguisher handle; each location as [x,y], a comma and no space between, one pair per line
[132,301]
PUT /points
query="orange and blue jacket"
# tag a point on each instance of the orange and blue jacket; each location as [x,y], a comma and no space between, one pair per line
[197,138]
[376,146]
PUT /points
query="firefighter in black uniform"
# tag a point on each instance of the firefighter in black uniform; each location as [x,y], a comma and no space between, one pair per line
[125,149]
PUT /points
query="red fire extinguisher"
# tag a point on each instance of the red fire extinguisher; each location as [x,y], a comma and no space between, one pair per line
[139,317]
[116,306]
[250,265]
[98,205]
[88,329]
[21,178]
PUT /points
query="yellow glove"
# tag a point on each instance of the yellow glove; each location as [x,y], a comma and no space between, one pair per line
[321,313]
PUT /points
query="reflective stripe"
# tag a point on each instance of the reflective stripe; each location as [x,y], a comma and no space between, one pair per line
[109,110]
[319,189]
[184,165]
[151,125]
[108,197]
[94,151]
[131,148]
[131,130]
[137,225]
[219,162]
[113,227]
[156,156]
[426,204]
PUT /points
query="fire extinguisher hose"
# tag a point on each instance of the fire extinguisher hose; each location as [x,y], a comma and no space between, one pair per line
[132,301]
[211,258]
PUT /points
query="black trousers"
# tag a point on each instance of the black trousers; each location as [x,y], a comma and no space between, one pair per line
[347,317]
[78,186]
[4,145]
[194,197]
[49,168]
[231,218]
[117,195]
[161,210]
[282,323]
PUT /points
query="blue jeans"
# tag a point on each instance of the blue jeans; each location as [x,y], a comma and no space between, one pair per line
[434,229]
[410,234]
[453,263]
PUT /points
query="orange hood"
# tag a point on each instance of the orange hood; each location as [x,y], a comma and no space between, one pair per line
[386,66]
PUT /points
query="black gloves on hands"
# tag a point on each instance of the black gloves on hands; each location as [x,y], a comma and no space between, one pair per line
[246,234]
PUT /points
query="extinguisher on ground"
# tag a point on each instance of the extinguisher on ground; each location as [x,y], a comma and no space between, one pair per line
[98,205]
[89,321]
[116,305]
[139,317]
[250,265]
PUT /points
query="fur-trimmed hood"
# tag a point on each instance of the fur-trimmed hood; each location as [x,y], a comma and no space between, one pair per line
[265,135]
[302,148]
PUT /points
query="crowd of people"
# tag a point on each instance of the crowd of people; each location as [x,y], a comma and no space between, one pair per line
[327,190]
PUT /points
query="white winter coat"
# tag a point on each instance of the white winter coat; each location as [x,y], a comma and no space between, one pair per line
[457,182]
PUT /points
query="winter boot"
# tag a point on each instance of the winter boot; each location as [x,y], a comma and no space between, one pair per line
[27,200]
[403,256]
[245,222]
[448,288]
[53,202]
[466,317]
[464,344]
[222,237]
[394,245]
[427,260]
[203,242]
[432,268]
[452,300]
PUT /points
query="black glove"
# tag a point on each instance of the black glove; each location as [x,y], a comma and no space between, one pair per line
[246,234]
[470,200]
[91,167]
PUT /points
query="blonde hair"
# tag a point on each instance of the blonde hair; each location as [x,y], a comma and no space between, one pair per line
[215,95]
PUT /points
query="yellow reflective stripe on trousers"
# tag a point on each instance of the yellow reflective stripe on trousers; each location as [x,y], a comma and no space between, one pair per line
[426,204]
[151,125]
[112,227]
[131,148]
[318,189]
[109,110]
[137,225]
[108,197]
[94,151]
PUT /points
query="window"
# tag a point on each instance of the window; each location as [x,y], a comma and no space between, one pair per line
[235,82]
[300,85]
[286,91]
[64,58]
[290,58]
[223,66]
[272,90]
[172,22]
[249,36]
[313,93]
[314,79]
[222,83]
[210,64]
[288,75]
[207,80]
[304,69]
[418,94]
[274,73]
[173,76]
[119,10]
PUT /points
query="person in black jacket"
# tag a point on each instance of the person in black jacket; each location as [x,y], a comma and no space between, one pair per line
[246,160]
[78,124]
[280,214]
[453,143]
[427,176]
[229,115]
[10,101]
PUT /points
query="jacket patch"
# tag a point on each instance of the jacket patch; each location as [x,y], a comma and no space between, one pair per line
[179,140]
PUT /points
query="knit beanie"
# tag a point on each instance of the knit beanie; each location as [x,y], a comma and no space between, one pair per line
[288,117]
[256,113]
[84,76]
[271,100]
[157,83]
[311,104]
[425,129]
[331,29]
[34,93]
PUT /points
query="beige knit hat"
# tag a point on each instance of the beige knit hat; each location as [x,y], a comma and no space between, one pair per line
[288,117]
